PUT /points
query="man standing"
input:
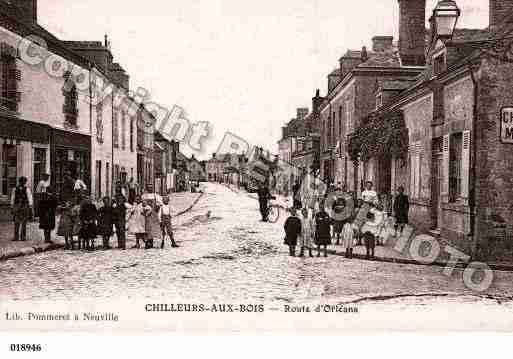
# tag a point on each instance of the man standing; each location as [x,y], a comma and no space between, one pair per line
[263,199]
[119,214]
[47,209]
[21,202]
[132,190]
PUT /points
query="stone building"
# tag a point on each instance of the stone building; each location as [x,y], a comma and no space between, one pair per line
[449,135]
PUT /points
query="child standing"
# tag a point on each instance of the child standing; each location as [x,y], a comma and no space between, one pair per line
[66,224]
[348,239]
[88,217]
[307,226]
[137,221]
[292,231]
[148,238]
[166,227]
[322,230]
[105,222]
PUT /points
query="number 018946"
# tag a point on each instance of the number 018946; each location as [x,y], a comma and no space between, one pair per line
[25,347]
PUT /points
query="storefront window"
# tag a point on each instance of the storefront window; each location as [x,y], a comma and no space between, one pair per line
[39,165]
[9,169]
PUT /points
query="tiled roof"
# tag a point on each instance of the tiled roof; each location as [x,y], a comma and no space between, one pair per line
[382,59]
[396,85]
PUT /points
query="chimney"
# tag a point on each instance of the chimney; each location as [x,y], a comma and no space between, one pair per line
[501,13]
[412,32]
[365,55]
[382,43]
[29,9]
[316,102]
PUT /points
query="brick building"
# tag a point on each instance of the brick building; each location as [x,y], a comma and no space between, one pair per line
[456,160]
[352,96]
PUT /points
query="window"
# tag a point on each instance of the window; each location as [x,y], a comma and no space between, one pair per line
[9,162]
[140,132]
[116,174]
[333,129]
[9,78]
[379,101]
[455,165]
[131,135]
[39,165]
[415,170]
[98,183]
[349,116]
[70,108]
[123,130]
[107,179]
[115,129]
[99,122]
[340,121]
[439,64]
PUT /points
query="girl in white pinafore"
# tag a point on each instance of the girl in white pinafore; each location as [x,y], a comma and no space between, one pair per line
[307,231]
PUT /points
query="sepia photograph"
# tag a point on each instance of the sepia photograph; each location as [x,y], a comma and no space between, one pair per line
[230,166]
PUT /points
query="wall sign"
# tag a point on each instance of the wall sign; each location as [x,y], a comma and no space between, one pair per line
[507,125]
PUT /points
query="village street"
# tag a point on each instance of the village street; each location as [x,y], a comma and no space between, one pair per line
[233,257]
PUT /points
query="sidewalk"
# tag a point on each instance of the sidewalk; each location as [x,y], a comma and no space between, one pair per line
[182,202]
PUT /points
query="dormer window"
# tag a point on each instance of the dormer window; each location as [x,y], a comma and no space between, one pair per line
[439,63]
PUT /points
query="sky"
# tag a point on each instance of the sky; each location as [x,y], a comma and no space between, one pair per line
[243,66]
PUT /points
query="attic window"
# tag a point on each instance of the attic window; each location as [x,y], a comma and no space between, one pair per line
[439,63]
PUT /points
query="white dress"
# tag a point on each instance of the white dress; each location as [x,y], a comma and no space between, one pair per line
[348,235]
[307,226]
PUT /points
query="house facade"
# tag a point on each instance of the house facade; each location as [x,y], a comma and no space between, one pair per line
[455,161]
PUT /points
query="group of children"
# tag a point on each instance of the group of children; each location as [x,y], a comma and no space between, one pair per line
[87,222]
[348,227]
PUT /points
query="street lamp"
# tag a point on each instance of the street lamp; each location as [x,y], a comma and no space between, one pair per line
[445,16]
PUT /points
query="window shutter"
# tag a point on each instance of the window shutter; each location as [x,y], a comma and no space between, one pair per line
[445,168]
[418,148]
[465,165]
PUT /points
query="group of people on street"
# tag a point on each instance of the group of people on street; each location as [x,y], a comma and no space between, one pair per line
[335,217]
[80,217]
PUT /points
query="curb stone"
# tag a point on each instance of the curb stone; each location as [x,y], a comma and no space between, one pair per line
[45,247]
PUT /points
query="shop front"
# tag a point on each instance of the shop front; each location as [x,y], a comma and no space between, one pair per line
[71,155]
[24,151]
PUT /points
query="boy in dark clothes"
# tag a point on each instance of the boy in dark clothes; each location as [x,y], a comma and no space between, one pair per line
[105,222]
[88,215]
[292,231]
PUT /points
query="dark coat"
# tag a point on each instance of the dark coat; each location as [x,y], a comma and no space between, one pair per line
[88,216]
[401,208]
[264,195]
[322,229]
[105,221]
[119,211]
[47,209]
[292,230]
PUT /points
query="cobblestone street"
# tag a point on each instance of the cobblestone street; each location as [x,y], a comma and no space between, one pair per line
[232,257]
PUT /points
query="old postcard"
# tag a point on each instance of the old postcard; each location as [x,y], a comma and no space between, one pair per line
[238,166]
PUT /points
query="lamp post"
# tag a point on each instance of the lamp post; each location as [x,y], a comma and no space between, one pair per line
[445,17]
